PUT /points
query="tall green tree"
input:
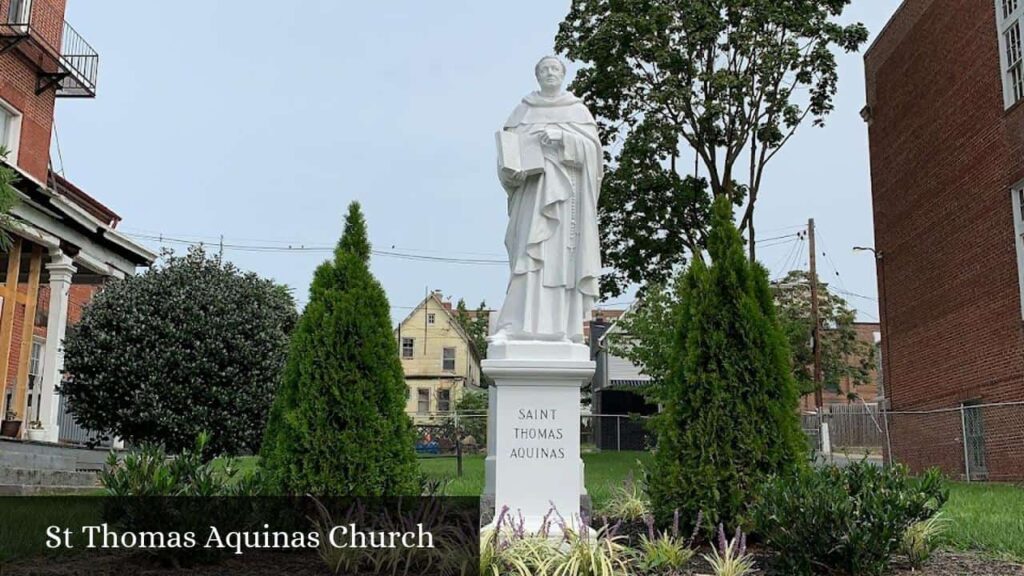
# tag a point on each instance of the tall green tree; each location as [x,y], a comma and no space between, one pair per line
[844,357]
[191,345]
[338,426]
[695,97]
[8,199]
[475,324]
[730,403]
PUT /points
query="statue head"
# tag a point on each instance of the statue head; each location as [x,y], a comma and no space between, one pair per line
[550,73]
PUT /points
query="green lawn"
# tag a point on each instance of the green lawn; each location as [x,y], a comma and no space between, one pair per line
[603,472]
[986,517]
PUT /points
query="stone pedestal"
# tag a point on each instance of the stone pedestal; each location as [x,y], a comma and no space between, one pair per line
[533,449]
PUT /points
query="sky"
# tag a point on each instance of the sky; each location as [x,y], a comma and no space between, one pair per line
[261,121]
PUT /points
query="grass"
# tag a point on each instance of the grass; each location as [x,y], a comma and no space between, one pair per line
[987,518]
[603,472]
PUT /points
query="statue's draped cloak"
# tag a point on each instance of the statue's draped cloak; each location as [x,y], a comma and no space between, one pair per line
[552,239]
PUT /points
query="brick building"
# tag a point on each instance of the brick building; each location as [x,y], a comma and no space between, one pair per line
[64,243]
[945,87]
[868,392]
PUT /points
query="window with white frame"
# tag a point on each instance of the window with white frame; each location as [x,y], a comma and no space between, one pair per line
[407,347]
[423,400]
[35,371]
[1018,234]
[1009,15]
[431,318]
[10,131]
[444,400]
[448,361]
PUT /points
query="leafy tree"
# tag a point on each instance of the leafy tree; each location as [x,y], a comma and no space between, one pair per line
[338,426]
[190,345]
[8,199]
[729,80]
[645,335]
[475,324]
[730,403]
[843,356]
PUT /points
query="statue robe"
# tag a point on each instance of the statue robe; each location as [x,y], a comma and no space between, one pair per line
[552,240]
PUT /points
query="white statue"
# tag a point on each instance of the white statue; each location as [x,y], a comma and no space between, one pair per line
[552,174]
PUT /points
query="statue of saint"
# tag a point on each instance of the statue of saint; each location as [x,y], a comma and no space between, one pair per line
[550,164]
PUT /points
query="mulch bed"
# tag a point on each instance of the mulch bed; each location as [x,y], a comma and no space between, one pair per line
[941,564]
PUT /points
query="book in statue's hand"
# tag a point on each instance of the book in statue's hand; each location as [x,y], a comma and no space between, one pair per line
[519,155]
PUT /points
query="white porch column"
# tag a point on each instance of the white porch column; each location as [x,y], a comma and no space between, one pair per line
[61,269]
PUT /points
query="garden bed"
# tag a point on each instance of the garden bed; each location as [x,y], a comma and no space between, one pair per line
[272,563]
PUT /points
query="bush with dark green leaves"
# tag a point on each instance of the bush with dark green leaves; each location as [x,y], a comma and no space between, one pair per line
[191,345]
[338,426]
[730,403]
[847,520]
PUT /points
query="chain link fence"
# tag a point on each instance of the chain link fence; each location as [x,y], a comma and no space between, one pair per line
[969,442]
[447,433]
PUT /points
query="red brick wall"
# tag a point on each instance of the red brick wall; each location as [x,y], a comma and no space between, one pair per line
[867,392]
[18,84]
[944,154]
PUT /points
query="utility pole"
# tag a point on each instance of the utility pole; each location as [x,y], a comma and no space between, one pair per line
[818,400]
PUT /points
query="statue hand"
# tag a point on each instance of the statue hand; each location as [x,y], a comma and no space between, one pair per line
[511,181]
[551,137]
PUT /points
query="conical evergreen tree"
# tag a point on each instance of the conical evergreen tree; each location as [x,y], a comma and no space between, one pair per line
[730,402]
[338,426]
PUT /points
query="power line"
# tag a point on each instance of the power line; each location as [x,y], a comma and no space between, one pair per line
[320,249]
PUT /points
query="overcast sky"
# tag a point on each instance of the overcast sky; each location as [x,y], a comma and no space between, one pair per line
[260,121]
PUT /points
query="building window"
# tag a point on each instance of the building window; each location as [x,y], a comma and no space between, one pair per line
[448,362]
[1017,196]
[431,318]
[1009,15]
[10,131]
[407,347]
[444,400]
[35,370]
[423,400]
[974,440]
[19,11]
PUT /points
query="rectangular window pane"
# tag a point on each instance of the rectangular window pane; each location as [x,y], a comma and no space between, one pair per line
[431,318]
[1013,46]
[5,125]
[449,359]
[1009,6]
[444,398]
[407,347]
[423,400]
[1017,82]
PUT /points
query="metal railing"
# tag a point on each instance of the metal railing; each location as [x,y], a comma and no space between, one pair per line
[65,59]
[72,433]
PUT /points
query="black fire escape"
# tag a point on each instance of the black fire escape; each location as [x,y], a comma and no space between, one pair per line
[62,59]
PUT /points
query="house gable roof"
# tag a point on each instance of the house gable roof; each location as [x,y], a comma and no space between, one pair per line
[452,321]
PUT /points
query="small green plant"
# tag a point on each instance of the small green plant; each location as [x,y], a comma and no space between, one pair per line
[508,549]
[849,520]
[666,552]
[589,552]
[730,558]
[628,502]
[339,560]
[922,538]
[149,471]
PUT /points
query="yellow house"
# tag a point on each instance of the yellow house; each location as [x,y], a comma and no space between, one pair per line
[439,360]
